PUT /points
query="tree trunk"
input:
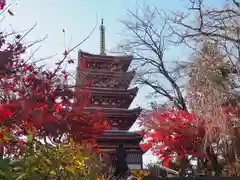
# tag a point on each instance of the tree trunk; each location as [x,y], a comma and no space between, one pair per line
[213,159]
[183,166]
[1,149]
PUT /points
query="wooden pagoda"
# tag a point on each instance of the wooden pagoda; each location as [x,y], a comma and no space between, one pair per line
[110,79]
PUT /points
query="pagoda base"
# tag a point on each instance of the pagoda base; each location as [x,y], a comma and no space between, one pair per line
[111,139]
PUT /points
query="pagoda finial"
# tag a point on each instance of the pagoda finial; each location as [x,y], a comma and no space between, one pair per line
[102,39]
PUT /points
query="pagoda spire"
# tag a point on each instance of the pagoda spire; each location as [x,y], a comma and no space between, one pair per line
[102,39]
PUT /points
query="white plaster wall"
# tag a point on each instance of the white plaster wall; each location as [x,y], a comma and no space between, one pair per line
[134,166]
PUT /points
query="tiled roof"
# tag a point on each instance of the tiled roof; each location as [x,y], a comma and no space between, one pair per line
[114,111]
[91,72]
[105,57]
[132,91]
[121,133]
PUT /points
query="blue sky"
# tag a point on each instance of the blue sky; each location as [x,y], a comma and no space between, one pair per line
[77,17]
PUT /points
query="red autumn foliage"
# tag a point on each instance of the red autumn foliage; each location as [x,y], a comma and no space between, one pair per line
[173,133]
[4,113]
[32,98]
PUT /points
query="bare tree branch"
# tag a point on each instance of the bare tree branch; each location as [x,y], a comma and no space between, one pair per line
[147,44]
[220,25]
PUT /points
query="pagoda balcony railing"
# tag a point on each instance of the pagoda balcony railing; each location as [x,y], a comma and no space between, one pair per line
[110,102]
[107,82]
[133,157]
[110,83]
[105,79]
[120,123]
[107,66]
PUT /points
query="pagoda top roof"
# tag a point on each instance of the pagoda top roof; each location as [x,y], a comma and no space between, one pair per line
[124,59]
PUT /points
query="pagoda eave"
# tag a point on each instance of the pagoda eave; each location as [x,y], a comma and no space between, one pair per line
[112,92]
[112,148]
[92,72]
[115,117]
[115,111]
[120,135]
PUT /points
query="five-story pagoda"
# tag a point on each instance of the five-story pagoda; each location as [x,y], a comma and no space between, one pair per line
[110,95]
